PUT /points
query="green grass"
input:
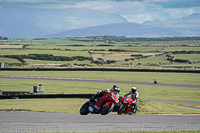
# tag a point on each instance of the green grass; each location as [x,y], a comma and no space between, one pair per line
[70,87]
[73,106]
[85,48]
[57,47]
[45,62]
[159,60]
[191,57]
[161,77]
[43,105]
[67,87]
[9,60]
[141,48]
[181,48]
[53,52]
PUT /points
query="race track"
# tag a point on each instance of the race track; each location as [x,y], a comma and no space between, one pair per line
[73,122]
[100,81]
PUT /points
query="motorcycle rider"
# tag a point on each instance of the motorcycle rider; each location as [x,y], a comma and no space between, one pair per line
[115,89]
[134,95]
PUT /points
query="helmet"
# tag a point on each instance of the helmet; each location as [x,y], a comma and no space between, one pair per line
[116,88]
[133,89]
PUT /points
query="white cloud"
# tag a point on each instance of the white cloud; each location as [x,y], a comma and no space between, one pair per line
[133,10]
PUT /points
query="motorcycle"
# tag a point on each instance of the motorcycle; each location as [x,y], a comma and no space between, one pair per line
[126,106]
[102,105]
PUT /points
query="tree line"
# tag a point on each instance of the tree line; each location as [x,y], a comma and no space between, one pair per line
[136,39]
[3,38]
[49,57]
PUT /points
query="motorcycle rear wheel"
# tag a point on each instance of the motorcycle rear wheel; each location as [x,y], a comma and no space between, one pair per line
[106,109]
[84,109]
[121,109]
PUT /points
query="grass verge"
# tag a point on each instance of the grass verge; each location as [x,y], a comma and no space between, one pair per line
[73,106]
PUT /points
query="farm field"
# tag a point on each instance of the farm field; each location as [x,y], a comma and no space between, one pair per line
[102,52]
[108,51]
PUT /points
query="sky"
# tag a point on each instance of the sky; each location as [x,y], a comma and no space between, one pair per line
[137,11]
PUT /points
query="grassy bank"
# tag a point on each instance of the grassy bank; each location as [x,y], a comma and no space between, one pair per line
[74,105]
[162,77]
[70,87]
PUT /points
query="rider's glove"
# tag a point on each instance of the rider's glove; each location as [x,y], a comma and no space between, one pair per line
[133,102]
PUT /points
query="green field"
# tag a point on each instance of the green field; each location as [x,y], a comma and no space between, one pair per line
[111,40]
[105,51]
[67,87]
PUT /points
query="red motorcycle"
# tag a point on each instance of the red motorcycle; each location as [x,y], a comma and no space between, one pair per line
[126,106]
[102,105]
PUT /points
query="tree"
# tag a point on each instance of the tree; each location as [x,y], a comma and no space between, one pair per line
[5,38]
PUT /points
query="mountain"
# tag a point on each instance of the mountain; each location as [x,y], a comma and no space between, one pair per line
[12,28]
[20,22]
[187,26]
[192,16]
[118,29]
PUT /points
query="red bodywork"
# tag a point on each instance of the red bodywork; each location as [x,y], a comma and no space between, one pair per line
[127,101]
[109,97]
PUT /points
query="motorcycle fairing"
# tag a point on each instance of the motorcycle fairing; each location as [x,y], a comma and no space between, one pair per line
[107,97]
[128,103]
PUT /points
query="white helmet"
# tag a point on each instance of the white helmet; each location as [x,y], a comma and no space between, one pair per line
[133,89]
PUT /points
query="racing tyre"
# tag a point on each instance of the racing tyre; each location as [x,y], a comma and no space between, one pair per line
[84,109]
[121,109]
[135,109]
[106,109]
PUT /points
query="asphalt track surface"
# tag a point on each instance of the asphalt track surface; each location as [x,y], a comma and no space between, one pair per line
[100,81]
[11,122]
[73,122]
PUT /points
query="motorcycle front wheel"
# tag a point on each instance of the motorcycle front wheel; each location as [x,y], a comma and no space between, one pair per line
[106,109]
[84,109]
[135,109]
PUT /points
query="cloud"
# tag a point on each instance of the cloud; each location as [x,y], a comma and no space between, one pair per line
[133,10]
[179,3]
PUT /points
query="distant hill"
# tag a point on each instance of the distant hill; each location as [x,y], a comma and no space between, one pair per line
[19,22]
[120,29]
[187,26]
[13,28]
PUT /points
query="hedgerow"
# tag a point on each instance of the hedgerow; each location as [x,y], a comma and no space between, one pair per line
[49,57]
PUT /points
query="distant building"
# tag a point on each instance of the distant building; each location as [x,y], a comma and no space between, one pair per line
[39,89]
[1,65]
